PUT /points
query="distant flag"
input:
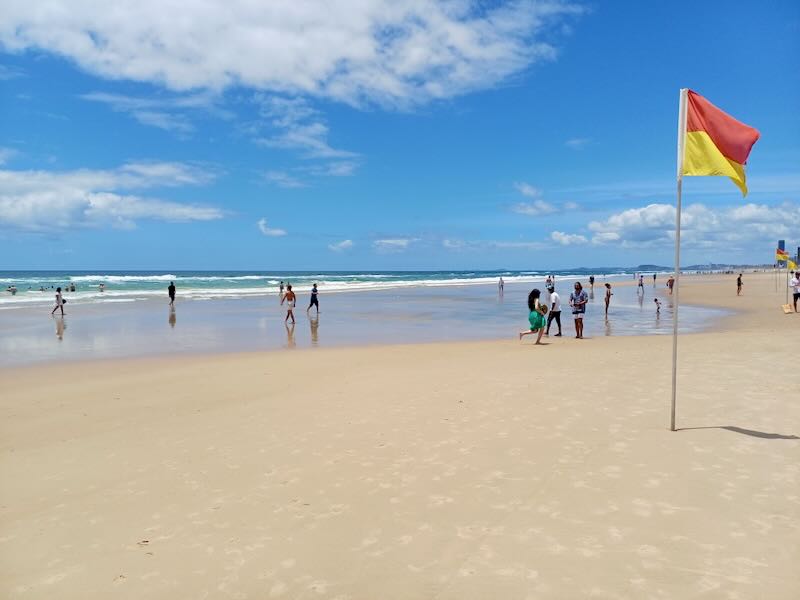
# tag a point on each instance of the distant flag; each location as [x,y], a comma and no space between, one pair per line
[781,255]
[791,265]
[716,143]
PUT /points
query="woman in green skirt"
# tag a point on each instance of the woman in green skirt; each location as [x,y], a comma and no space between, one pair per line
[536,316]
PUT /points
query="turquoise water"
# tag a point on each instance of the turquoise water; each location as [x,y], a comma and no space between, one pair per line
[34,288]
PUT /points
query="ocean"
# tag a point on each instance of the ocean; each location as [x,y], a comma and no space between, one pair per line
[38,287]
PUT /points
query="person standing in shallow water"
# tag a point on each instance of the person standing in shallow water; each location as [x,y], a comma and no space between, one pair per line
[290,300]
[609,293]
[314,298]
[578,300]
[59,302]
[171,292]
[536,315]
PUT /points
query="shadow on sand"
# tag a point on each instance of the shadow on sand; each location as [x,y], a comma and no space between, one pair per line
[751,432]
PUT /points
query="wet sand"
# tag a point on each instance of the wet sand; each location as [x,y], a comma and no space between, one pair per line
[406,315]
[449,470]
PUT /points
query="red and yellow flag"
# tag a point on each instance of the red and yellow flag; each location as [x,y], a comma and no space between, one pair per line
[781,255]
[716,143]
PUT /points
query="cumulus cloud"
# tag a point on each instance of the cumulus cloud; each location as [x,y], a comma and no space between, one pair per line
[269,231]
[341,246]
[54,200]
[283,179]
[393,244]
[734,227]
[295,125]
[395,52]
[536,208]
[568,239]
[526,189]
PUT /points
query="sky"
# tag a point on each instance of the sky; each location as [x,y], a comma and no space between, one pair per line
[387,134]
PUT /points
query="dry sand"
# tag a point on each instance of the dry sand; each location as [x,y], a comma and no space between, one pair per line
[470,470]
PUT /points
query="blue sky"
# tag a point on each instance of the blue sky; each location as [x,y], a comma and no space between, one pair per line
[387,135]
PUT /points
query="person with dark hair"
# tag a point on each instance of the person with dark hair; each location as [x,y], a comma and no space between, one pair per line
[795,285]
[291,299]
[578,300]
[535,316]
[739,285]
[171,292]
[609,293]
[555,311]
[59,302]
[314,298]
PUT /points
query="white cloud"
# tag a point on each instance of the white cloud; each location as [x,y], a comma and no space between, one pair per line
[527,189]
[578,143]
[295,125]
[168,113]
[269,231]
[453,244]
[54,200]
[6,154]
[571,206]
[536,208]
[377,51]
[393,244]
[341,246]
[722,229]
[283,179]
[568,239]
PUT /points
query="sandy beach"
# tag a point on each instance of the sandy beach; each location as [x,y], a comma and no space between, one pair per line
[445,470]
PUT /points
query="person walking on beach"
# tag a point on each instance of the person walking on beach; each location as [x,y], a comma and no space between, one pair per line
[500,285]
[739,285]
[641,285]
[795,285]
[535,316]
[290,300]
[670,284]
[171,292]
[314,300]
[555,311]
[578,300]
[654,280]
[59,302]
[280,289]
[609,293]
[591,282]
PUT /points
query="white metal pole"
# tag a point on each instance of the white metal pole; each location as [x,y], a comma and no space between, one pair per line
[677,288]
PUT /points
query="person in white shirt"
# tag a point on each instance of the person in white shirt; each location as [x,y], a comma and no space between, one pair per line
[795,285]
[555,311]
[59,302]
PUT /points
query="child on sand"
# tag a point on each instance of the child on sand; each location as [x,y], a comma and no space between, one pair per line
[536,316]
[658,305]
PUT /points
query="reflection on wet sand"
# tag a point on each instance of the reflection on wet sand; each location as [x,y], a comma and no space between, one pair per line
[172,316]
[61,325]
[290,342]
[608,326]
[314,323]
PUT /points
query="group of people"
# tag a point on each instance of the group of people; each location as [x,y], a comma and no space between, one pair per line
[539,310]
[290,298]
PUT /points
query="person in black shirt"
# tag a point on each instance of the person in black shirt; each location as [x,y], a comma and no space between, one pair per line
[314,298]
[171,292]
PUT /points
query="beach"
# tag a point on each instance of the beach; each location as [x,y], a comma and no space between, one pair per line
[460,469]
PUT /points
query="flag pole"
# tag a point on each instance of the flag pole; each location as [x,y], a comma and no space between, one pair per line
[677,290]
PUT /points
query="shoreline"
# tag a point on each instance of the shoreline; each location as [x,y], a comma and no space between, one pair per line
[404,316]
